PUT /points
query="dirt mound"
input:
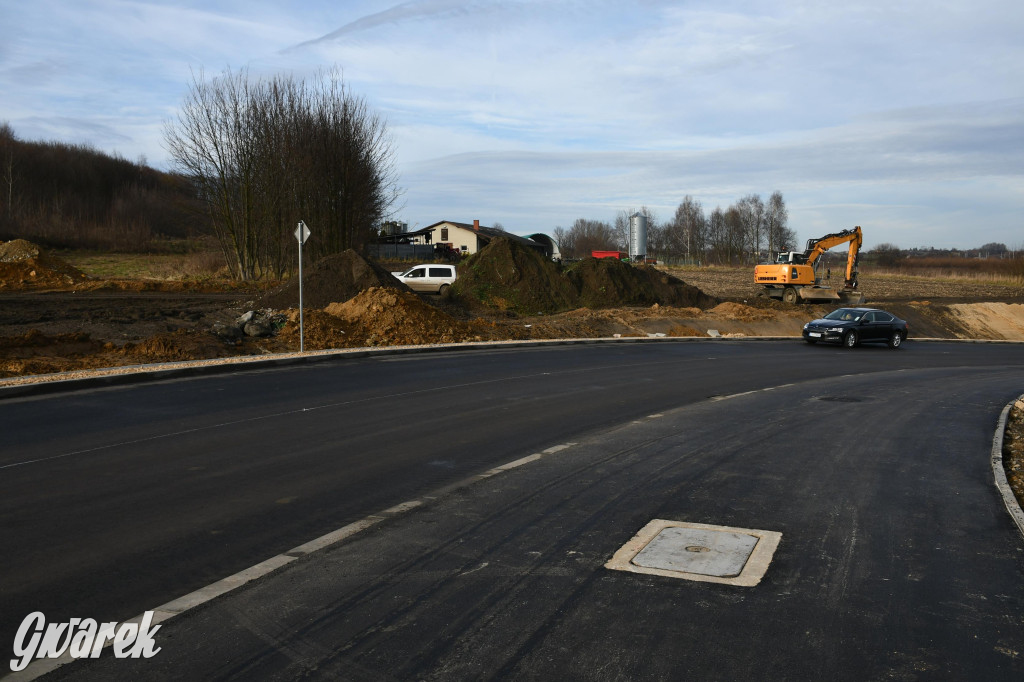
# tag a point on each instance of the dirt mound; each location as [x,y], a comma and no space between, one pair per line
[991,320]
[507,276]
[681,330]
[24,265]
[379,316]
[742,313]
[333,279]
[608,282]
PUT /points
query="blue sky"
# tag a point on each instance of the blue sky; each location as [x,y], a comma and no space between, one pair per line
[905,118]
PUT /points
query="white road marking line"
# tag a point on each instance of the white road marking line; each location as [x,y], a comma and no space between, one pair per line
[334,536]
[209,592]
[403,507]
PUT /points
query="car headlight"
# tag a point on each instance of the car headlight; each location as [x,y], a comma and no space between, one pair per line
[835,329]
[806,325]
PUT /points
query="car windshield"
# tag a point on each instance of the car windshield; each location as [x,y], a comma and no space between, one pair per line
[844,314]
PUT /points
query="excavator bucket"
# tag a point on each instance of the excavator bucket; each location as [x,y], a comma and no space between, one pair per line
[851,297]
[817,294]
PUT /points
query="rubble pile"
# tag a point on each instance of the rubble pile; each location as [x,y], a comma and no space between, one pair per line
[24,265]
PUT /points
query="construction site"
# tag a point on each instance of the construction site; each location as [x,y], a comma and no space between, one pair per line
[55,318]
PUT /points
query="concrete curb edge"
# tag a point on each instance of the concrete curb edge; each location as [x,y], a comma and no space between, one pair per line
[999,471]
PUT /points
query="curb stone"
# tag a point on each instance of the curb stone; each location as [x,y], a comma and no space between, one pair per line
[999,471]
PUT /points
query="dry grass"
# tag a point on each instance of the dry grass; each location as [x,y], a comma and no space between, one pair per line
[162,267]
[1004,271]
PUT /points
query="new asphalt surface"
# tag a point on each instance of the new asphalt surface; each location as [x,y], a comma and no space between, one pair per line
[897,559]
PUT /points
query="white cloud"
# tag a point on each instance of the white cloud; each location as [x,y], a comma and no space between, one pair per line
[535,113]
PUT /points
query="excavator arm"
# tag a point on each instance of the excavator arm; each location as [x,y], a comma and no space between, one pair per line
[816,247]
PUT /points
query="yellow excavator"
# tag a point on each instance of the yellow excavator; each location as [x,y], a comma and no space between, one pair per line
[793,277]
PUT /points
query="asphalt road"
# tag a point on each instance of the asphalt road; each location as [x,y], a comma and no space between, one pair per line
[897,558]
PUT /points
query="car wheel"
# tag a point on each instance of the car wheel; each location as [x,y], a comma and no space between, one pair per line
[789,295]
[850,340]
[444,289]
[896,340]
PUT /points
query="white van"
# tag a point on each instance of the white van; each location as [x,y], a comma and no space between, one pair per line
[430,279]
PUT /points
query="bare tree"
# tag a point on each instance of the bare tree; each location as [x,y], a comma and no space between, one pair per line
[566,243]
[718,237]
[266,153]
[776,219]
[752,215]
[736,235]
[621,228]
[688,230]
[587,235]
[7,164]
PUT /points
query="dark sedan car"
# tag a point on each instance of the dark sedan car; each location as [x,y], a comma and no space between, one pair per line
[853,326]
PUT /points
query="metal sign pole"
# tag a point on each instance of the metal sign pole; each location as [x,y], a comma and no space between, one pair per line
[302,328]
[302,234]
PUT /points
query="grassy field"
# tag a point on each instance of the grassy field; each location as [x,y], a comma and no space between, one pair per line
[158,266]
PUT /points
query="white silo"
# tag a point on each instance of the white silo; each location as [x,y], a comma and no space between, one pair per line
[637,237]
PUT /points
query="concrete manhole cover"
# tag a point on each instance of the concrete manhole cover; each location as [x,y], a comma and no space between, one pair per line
[695,551]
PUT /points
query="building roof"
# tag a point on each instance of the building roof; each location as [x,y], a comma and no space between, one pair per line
[486,232]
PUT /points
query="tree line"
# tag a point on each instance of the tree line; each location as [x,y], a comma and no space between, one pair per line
[748,231]
[73,196]
[251,157]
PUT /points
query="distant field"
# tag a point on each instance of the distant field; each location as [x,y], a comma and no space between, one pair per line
[160,266]
[877,284]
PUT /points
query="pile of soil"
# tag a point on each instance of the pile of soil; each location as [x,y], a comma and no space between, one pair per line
[24,265]
[608,282]
[507,276]
[333,279]
[742,313]
[379,316]
[680,330]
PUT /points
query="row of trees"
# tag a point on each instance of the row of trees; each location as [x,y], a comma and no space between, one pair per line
[748,231]
[73,196]
[889,254]
[265,152]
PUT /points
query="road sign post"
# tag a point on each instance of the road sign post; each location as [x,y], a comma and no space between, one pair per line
[301,234]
